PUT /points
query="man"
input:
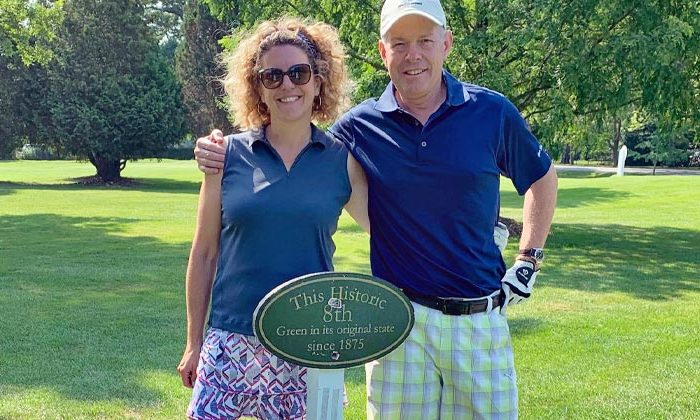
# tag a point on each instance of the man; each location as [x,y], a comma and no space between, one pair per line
[433,149]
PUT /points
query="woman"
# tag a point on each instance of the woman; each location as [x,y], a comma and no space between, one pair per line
[267,217]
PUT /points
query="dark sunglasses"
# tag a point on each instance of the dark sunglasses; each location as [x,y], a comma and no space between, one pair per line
[272,78]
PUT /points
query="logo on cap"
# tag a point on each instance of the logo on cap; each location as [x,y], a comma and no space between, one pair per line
[410,3]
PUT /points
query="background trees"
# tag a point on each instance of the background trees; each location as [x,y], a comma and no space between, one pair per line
[580,72]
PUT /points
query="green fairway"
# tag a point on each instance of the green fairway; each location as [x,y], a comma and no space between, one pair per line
[92,314]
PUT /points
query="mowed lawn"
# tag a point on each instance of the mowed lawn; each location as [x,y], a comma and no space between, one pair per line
[92,317]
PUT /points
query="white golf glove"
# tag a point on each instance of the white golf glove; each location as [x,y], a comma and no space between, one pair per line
[516,285]
[500,236]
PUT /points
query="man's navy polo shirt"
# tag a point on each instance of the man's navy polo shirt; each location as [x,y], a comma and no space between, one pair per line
[434,189]
[275,225]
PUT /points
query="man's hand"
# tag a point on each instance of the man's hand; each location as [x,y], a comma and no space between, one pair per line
[188,367]
[210,152]
[516,285]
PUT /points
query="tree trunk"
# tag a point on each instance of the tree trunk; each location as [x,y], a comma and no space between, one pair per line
[566,155]
[109,170]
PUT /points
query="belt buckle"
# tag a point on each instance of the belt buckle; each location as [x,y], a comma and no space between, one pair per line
[451,307]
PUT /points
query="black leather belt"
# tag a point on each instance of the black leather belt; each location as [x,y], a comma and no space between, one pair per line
[454,306]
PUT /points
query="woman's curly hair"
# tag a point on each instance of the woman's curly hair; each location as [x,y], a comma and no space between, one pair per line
[326,55]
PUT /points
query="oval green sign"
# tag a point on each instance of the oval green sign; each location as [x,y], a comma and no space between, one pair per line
[333,320]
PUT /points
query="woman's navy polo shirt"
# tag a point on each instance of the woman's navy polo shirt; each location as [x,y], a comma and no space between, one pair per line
[275,225]
[433,190]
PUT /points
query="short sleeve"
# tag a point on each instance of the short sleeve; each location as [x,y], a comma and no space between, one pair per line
[343,131]
[521,157]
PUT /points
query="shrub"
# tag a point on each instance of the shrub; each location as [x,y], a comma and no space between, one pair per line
[182,151]
[33,152]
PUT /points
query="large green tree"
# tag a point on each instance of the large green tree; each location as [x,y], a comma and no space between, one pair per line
[199,70]
[113,96]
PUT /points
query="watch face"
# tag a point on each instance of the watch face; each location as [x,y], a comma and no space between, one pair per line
[536,253]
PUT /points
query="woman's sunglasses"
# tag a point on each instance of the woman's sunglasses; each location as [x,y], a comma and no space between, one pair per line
[272,78]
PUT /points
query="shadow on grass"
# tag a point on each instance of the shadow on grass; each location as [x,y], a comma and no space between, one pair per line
[352,265]
[350,228]
[85,312]
[583,174]
[648,263]
[524,326]
[569,197]
[162,185]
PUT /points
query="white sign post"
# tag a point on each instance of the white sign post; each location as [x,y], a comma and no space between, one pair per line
[621,157]
[324,394]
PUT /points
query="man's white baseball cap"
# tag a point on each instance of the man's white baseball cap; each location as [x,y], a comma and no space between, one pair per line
[393,10]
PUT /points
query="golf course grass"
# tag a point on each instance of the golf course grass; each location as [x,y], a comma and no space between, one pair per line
[92,311]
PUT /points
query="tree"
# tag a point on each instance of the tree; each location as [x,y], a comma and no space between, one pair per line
[198,70]
[357,23]
[26,31]
[27,27]
[165,18]
[9,75]
[113,96]
[648,143]
[23,105]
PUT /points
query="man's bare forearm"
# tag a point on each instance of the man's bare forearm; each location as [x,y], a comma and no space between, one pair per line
[538,210]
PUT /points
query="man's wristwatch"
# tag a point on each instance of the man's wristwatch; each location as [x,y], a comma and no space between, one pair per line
[535,255]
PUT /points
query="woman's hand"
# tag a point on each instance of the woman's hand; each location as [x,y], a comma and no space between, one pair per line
[188,367]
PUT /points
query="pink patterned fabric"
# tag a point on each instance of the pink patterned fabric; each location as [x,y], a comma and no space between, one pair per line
[237,376]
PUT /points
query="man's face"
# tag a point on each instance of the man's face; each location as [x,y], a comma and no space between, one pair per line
[414,50]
